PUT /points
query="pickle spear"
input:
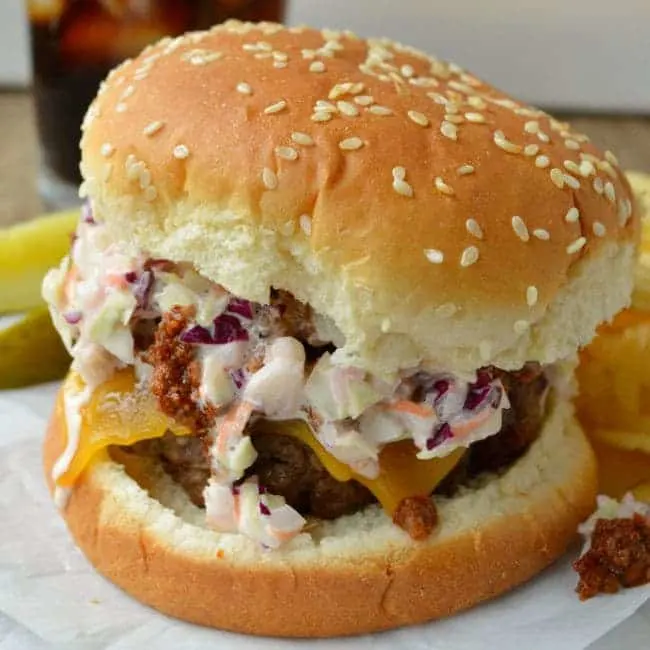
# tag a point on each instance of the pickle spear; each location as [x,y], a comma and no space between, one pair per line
[31,351]
[27,251]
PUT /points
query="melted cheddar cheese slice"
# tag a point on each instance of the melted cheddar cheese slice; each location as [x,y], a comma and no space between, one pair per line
[118,414]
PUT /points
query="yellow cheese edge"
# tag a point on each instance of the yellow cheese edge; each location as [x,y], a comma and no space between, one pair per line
[119,414]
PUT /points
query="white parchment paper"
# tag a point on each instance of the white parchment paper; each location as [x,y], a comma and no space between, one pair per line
[50,597]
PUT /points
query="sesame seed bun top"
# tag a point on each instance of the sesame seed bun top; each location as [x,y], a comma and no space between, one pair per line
[429,215]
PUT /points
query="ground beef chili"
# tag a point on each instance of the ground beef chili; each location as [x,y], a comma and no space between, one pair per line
[176,375]
[417,516]
[619,556]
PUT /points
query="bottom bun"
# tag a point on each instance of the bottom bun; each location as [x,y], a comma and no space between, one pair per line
[356,574]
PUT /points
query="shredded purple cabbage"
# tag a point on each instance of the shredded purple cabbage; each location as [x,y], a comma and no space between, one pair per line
[72,317]
[198,335]
[241,307]
[87,213]
[440,434]
[477,395]
[226,329]
[264,509]
[238,378]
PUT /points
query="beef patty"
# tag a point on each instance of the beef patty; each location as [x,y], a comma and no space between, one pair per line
[287,467]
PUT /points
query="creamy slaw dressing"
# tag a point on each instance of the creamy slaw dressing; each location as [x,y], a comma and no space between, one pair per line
[98,294]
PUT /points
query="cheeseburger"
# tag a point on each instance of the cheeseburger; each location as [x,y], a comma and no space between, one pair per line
[324,304]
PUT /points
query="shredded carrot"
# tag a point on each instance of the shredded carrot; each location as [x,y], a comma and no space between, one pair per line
[405,406]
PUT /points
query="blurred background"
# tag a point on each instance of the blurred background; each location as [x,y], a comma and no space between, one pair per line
[584,59]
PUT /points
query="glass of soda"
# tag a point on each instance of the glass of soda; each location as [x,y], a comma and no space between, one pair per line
[75,43]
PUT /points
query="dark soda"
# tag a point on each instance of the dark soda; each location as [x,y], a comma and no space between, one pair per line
[75,43]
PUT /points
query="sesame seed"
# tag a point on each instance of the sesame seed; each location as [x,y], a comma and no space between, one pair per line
[477,118]
[532,294]
[605,166]
[449,130]
[572,182]
[572,144]
[380,110]
[599,229]
[133,170]
[287,153]
[473,228]
[305,224]
[322,105]
[543,137]
[407,71]
[351,144]
[587,168]
[624,211]
[469,256]
[280,56]
[454,118]
[542,234]
[438,98]
[418,118]
[442,187]
[181,152]
[244,88]
[485,349]
[275,108]
[302,138]
[434,255]
[521,326]
[107,149]
[520,228]
[399,173]
[576,245]
[269,178]
[531,150]
[321,116]
[424,82]
[402,187]
[127,92]
[611,158]
[316,66]
[503,143]
[338,90]
[572,215]
[446,310]
[598,185]
[531,126]
[144,178]
[347,108]
[557,177]
[571,166]
[152,128]
[364,100]
[464,170]
[476,102]
[610,192]
[121,107]
[280,64]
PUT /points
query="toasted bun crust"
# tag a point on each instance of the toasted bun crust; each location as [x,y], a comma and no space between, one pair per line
[353,575]
[194,152]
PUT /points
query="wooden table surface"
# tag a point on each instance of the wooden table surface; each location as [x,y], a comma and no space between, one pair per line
[628,137]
